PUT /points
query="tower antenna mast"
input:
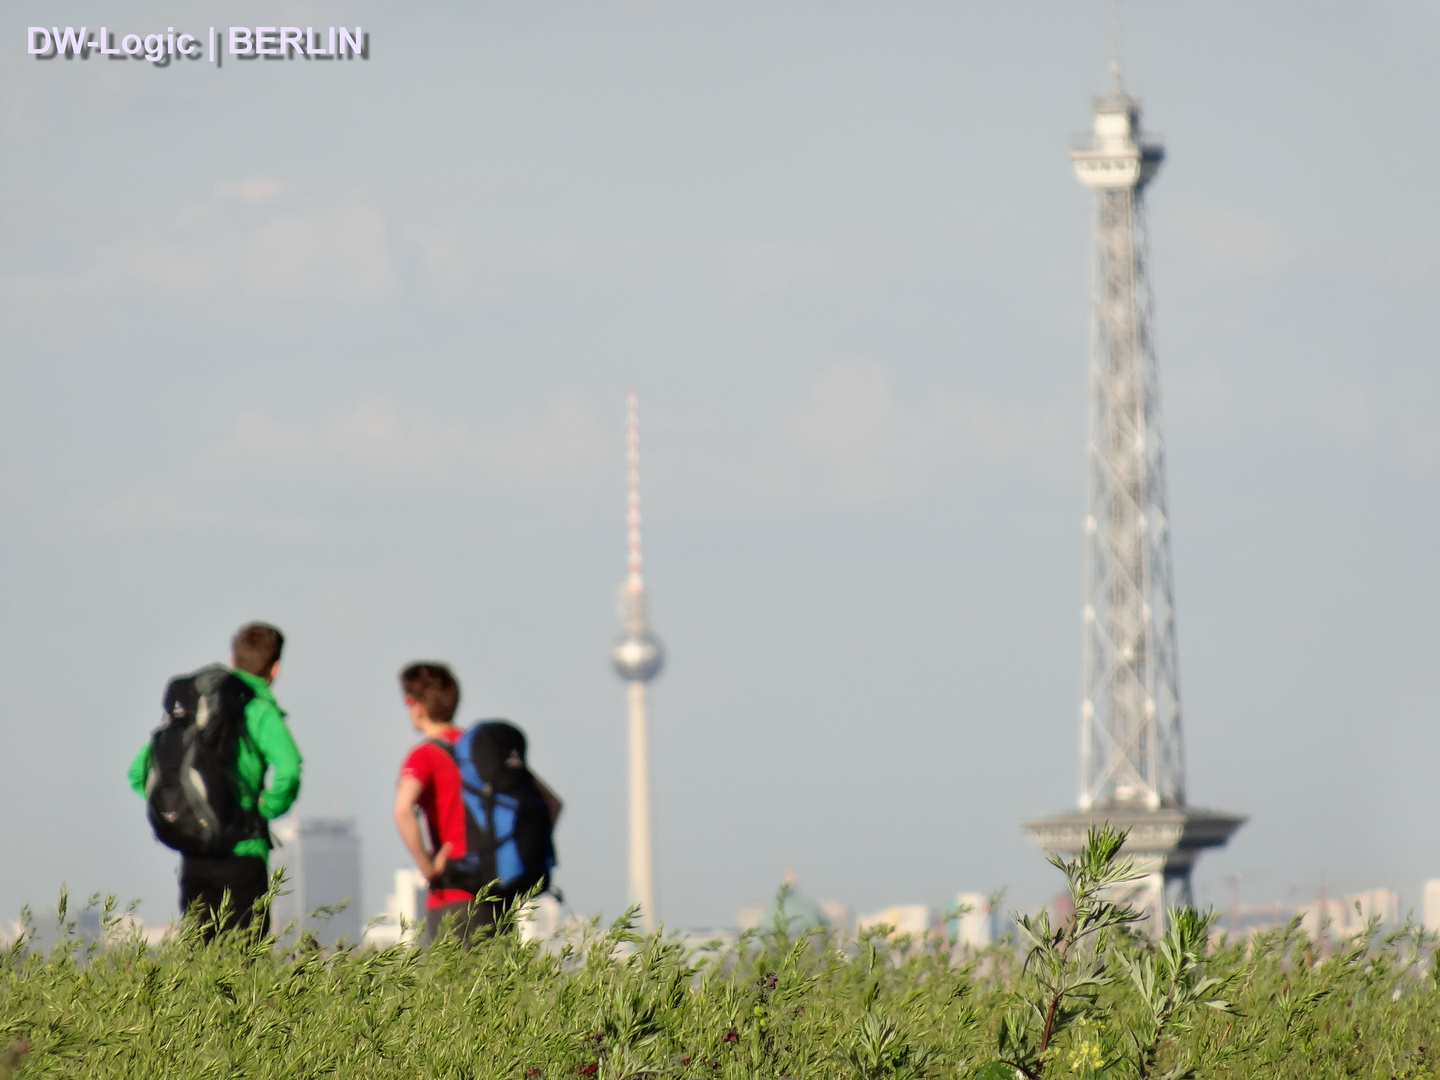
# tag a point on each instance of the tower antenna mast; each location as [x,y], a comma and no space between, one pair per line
[637,658]
[1114,45]
[636,582]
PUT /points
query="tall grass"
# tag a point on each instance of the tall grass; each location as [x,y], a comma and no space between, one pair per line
[620,1005]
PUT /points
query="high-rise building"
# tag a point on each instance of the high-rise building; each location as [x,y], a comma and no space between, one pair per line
[1132,768]
[404,911]
[974,922]
[321,858]
[637,657]
[903,920]
[1341,917]
[838,917]
[541,919]
[1430,906]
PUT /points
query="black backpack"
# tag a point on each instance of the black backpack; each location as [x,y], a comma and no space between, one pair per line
[509,833]
[190,791]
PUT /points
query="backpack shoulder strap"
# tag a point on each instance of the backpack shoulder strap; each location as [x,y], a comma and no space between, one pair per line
[465,758]
[462,760]
[472,785]
[238,694]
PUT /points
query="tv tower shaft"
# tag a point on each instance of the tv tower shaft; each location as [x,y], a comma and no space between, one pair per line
[642,865]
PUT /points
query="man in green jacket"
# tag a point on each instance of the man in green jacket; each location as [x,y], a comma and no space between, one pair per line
[244,873]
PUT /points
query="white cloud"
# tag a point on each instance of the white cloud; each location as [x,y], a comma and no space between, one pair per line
[569,440]
[770,269]
[1346,415]
[252,190]
[445,263]
[150,507]
[1422,445]
[340,253]
[376,439]
[862,444]
[1234,242]
[846,426]
[156,507]
[373,443]
[159,265]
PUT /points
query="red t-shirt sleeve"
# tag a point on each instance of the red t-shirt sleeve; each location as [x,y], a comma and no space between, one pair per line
[420,763]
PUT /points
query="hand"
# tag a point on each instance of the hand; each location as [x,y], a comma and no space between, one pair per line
[438,862]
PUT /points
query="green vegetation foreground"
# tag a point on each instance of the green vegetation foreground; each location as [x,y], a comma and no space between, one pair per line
[1086,998]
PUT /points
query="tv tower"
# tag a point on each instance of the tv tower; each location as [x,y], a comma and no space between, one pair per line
[1132,763]
[637,657]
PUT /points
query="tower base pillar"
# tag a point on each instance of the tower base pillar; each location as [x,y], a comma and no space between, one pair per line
[1164,844]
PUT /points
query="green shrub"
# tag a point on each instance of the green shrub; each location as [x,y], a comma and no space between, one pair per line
[618,1005]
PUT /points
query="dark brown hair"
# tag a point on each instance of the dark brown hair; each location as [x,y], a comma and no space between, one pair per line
[256,647]
[433,685]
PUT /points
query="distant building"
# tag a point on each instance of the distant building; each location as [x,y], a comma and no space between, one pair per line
[1431,906]
[914,920]
[707,944]
[839,918]
[122,928]
[1246,920]
[404,911]
[321,857]
[546,921]
[542,918]
[87,924]
[1344,916]
[974,923]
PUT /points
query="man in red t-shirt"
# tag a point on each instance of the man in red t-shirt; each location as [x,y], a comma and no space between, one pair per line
[430,781]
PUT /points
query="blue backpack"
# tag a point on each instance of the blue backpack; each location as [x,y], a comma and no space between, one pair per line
[509,833]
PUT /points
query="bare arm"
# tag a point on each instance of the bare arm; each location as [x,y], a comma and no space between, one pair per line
[407,794]
[552,801]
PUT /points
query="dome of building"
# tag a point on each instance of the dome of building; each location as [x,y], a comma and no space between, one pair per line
[793,911]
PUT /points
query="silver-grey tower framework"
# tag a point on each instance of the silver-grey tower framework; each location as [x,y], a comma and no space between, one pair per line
[1132,762]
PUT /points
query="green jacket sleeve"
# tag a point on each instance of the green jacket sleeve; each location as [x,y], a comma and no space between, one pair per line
[277,748]
[138,770]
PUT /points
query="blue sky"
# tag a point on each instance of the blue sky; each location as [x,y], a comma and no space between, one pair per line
[344,346]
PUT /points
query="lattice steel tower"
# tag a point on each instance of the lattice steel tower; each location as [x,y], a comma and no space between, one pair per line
[1132,760]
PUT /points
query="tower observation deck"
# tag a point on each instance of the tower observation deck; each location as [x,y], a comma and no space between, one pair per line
[1132,763]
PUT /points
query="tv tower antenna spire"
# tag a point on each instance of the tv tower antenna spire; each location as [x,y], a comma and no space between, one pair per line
[637,657]
[1132,767]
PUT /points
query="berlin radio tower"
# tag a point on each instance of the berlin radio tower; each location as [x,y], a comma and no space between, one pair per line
[637,657]
[1132,766]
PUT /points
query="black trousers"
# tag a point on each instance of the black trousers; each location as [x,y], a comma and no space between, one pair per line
[466,918]
[205,879]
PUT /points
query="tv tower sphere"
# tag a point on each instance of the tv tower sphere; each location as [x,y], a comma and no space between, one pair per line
[638,655]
